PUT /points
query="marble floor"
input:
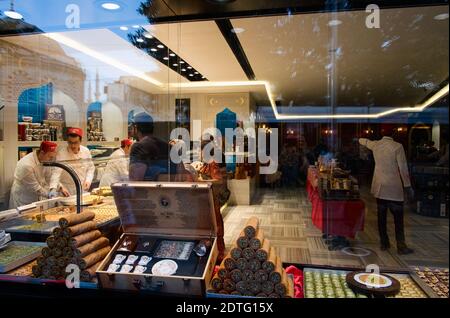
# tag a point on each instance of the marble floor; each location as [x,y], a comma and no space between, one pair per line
[285,217]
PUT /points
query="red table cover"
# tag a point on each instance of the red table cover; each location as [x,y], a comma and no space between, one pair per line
[340,217]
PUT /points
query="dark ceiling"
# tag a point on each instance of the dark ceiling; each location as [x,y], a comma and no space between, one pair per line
[163,11]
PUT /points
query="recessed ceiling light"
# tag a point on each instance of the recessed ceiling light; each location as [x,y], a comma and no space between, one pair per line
[237,30]
[183,70]
[110,6]
[195,72]
[172,54]
[175,64]
[165,58]
[153,49]
[148,35]
[181,62]
[189,67]
[124,28]
[160,46]
[136,26]
[140,40]
[203,77]
[334,22]
[191,75]
[13,14]
[442,16]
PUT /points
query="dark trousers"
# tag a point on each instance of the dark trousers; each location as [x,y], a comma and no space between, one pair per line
[396,208]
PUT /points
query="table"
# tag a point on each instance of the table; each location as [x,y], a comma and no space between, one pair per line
[334,217]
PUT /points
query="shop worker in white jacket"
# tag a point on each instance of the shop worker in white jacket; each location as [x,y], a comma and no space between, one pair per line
[390,178]
[117,169]
[31,179]
[79,159]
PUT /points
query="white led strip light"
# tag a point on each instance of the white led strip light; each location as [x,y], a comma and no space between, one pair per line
[206,84]
[101,57]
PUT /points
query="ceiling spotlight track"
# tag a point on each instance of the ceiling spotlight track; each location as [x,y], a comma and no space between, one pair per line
[232,39]
[148,43]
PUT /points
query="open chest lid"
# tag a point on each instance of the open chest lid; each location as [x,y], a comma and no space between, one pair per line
[166,208]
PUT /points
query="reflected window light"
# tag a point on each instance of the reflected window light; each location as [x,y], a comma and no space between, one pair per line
[110,6]
[440,17]
[333,23]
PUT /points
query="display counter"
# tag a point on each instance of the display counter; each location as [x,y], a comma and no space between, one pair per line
[242,191]
[336,216]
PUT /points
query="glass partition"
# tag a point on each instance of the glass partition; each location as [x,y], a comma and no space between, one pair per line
[330,126]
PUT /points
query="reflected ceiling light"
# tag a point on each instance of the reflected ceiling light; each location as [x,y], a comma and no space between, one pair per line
[183,70]
[153,49]
[124,28]
[165,58]
[332,23]
[191,74]
[140,40]
[195,73]
[181,62]
[110,6]
[102,57]
[160,46]
[148,35]
[237,30]
[13,14]
[189,67]
[172,54]
[442,16]
[441,93]
[175,64]
[136,26]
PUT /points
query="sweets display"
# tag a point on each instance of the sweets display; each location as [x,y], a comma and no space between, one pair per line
[102,191]
[252,268]
[87,199]
[178,250]
[16,254]
[408,288]
[76,241]
[327,284]
[436,279]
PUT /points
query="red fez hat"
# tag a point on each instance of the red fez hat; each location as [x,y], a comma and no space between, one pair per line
[75,131]
[126,142]
[48,146]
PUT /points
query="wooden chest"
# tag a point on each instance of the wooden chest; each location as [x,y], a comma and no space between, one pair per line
[166,222]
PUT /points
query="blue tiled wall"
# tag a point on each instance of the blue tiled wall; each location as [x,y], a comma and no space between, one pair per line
[32,102]
[94,107]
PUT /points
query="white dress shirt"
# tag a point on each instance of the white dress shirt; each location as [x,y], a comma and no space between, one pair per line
[80,162]
[391,169]
[117,169]
[31,181]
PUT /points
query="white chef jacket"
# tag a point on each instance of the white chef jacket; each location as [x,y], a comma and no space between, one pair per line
[117,169]
[80,162]
[31,181]
[391,170]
